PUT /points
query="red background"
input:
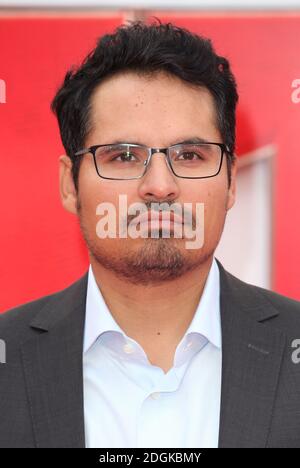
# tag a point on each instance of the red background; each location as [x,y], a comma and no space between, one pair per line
[41,246]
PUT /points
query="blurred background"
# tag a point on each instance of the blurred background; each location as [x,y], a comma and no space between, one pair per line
[40,244]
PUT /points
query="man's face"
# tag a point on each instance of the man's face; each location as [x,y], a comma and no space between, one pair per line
[158,111]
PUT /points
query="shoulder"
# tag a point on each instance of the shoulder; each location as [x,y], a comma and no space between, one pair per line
[288,318]
[14,321]
[276,299]
[287,308]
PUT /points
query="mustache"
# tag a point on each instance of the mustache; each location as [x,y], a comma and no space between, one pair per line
[167,208]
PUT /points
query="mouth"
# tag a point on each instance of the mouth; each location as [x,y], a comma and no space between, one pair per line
[158,219]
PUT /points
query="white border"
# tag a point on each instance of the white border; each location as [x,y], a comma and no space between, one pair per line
[157,4]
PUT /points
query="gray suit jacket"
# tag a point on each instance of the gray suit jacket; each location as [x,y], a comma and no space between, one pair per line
[41,383]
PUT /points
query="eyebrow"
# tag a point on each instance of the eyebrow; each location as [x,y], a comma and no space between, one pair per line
[191,141]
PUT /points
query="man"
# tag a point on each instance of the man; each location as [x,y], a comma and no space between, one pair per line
[156,345]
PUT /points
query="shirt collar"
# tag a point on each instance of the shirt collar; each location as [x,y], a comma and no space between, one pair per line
[206,320]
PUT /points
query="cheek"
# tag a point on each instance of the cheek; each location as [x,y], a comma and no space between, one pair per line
[95,192]
[215,206]
[93,189]
[213,195]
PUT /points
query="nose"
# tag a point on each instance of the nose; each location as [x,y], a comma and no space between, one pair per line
[159,183]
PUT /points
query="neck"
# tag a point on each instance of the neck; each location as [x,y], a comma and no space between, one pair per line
[146,313]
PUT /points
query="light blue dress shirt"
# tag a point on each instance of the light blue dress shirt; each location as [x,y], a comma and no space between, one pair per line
[130,403]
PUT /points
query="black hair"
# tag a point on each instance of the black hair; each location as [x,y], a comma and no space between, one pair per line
[145,49]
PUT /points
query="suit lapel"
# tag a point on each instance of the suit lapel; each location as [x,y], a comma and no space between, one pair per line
[52,362]
[251,358]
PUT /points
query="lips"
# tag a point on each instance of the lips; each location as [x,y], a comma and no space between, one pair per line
[157,216]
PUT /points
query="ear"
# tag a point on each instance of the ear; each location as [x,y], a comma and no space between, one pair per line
[232,188]
[67,189]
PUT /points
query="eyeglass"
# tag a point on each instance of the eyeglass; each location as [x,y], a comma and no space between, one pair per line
[125,161]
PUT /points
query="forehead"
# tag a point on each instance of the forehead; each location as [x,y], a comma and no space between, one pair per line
[138,105]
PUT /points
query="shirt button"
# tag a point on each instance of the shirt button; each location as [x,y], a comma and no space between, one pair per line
[155,395]
[128,348]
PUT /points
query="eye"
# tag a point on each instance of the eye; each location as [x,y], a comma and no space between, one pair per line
[189,156]
[125,157]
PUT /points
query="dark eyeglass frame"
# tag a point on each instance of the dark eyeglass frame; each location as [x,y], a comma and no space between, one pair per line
[92,149]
